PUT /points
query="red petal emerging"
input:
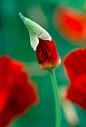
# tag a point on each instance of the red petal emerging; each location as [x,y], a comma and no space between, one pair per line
[47,54]
[16,93]
[75,65]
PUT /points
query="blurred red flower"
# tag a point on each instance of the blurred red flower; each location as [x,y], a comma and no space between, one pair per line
[70,24]
[16,93]
[75,66]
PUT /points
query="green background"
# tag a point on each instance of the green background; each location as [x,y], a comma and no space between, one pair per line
[15,41]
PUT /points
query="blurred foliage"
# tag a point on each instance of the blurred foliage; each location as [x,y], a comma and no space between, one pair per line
[15,41]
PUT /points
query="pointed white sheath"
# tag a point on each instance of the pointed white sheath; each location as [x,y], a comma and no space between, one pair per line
[35,32]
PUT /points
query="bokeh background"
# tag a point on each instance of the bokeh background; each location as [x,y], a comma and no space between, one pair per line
[15,41]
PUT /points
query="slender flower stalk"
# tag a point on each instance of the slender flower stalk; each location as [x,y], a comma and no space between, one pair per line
[57,99]
[47,55]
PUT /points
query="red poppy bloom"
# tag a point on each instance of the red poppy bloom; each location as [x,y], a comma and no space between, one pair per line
[75,66]
[16,93]
[70,23]
[47,54]
[43,44]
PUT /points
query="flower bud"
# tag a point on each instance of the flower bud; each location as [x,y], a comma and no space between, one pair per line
[43,44]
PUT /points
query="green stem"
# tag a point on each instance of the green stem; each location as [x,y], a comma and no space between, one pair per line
[57,100]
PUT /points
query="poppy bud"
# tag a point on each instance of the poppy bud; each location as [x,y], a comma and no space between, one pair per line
[43,44]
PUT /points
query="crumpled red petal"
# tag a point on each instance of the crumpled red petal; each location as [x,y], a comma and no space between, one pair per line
[47,54]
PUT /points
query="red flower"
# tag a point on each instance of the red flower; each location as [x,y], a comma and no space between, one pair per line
[43,44]
[47,54]
[71,24]
[75,65]
[16,93]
